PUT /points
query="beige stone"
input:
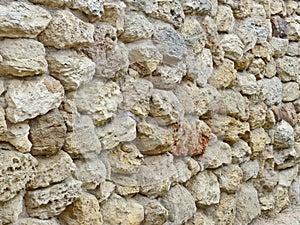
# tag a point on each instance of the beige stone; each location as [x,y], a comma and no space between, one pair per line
[246,84]
[257,141]
[290,91]
[257,67]
[200,218]
[244,62]
[246,31]
[226,210]
[284,135]
[230,178]
[11,210]
[53,169]
[93,9]
[257,115]
[22,57]
[55,3]
[196,7]
[224,19]
[114,14]
[103,190]
[62,31]
[84,211]
[271,90]
[279,45]
[186,168]
[295,191]
[233,46]
[286,177]
[240,151]
[29,22]
[288,68]
[250,170]
[281,196]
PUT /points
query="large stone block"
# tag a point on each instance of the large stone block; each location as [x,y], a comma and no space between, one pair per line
[93,9]
[12,209]
[230,178]
[288,68]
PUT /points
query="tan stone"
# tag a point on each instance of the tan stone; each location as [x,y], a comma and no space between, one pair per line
[290,91]
[225,211]
[246,31]
[230,178]
[62,31]
[244,62]
[84,211]
[240,151]
[200,218]
[224,19]
[232,46]
[103,190]
[196,7]
[257,141]
[250,170]
[114,14]
[257,115]
[55,3]
[284,135]
[93,9]
[246,84]
[12,209]
[186,168]
[271,90]
[281,196]
[22,57]
[33,221]
[288,68]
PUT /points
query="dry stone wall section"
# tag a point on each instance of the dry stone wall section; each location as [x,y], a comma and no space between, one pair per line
[148,112]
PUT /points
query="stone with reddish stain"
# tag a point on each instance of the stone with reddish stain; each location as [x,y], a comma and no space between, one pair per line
[191,137]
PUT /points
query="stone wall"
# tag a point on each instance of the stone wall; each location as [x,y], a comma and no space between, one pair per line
[148,112]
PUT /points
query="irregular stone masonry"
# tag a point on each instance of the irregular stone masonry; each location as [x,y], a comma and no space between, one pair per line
[148,112]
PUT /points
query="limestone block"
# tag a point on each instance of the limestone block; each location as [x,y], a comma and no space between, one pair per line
[246,84]
[250,169]
[257,115]
[98,99]
[200,67]
[226,210]
[224,75]
[121,129]
[293,28]
[103,190]
[170,44]
[48,202]
[272,90]
[246,31]
[284,135]
[82,142]
[3,125]
[197,7]
[69,112]
[287,176]
[243,63]
[55,3]
[241,9]
[17,135]
[295,191]
[62,31]
[47,133]
[186,168]
[224,19]
[193,34]
[285,158]
[293,49]
[156,175]
[230,178]
[91,172]
[247,204]
[114,14]
[257,68]
[257,141]
[281,196]
[200,218]
[22,57]
[152,139]
[53,169]
[263,29]
[290,91]
[240,151]
[19,19]
[144,57]
[11,210]
[191,137]
[277,7]
[16,170]
[233,46]
[267,202]
[227,128]
[167,77]
[288,68]
[136,27]
[216,154]
[129,211]
[27,99]
[205,189]
[126,185]
[279,46]
[165,107]
[155,213]
[70,68]
[93,9]
[84,211]
[180,204]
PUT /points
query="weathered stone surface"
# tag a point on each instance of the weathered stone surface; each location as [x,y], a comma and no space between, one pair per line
[55,3]
[98,99]
[272,90]
[103,191]
[16,170]
[180,204]
[114,14]
[155,213]
[288,68]
[11,210]
[82,142]
[70,68]
[287,176]
[126,185]
[244,62]
[129,211]
[53,169]
[186,168]
[224,19]
[284,135]
[257,115]
[69,112]
[51,201]
[191,137]
[200,218]
[156,175]
[29,22]
[216,154]
[279,46]
[290,91]
[230,178]
[295,191]
[197,7]
[84,211]
[246,83]
[246,31]
[33,221]
[170,44]
[93,9]
[47,133]
[247,204]
[136,27]
[22,57]
[205,189]
[240,151]
[257,141]
[293,28]
[285,158]
[293,49]
[250,169]
[165,107]
[226,210]
[62,31]
[121,129]
[257,67]
[281,196]
[27,99]
[233,46]
[152,139]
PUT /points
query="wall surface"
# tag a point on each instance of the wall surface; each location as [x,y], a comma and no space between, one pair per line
[152,112]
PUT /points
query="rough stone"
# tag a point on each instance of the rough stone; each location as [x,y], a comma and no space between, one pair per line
[226,210]
[186,168]
[29,22]
[93,9]
[98,99]
[279,46]
[293,28]
[246,31]
[121,129]
[233,46]
[250,169]
[246,84]
[191,137]
[281,196]
[257,115]
[257,68]
[287,176]
[257,141]
[11,210]
[84,211]
[16,170]
[47,202]
[33,221]
[200,218]
[224,19]
[205,189]
[290,91]
[70,68]
[243,63]
[240,151]
[272,90]
[285,158]
[22,57]
[156,175]
[152,139]
[53,169]
[197,7]
[293,49]
[67,31]
[230,178]
[295,191]
[55,3]
[129,211]
[284,135]
[114,14]
[103,190]
[288,68]
[47,133]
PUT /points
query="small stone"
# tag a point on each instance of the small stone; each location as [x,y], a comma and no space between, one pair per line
[226,210]
[282,200]
[267,202]
[272,90]
[197,7]
[186,168]
[93,9]
[284,135]
[287,176]
[279,45]
[67,31]
[11,210]
[293,28]
[288,68]
[243,63]
[257,68]
[22,57]
[200,218]
[19,19]
[224,19]
[246,31]
[114,14]
[295,191]
[285,158]
[103,190]
[257,141]
[250,169]
[293,49]
[240,151]
[230,178]
[233,46]
[290,91]
[257,115]
[33,221]
[246,84]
